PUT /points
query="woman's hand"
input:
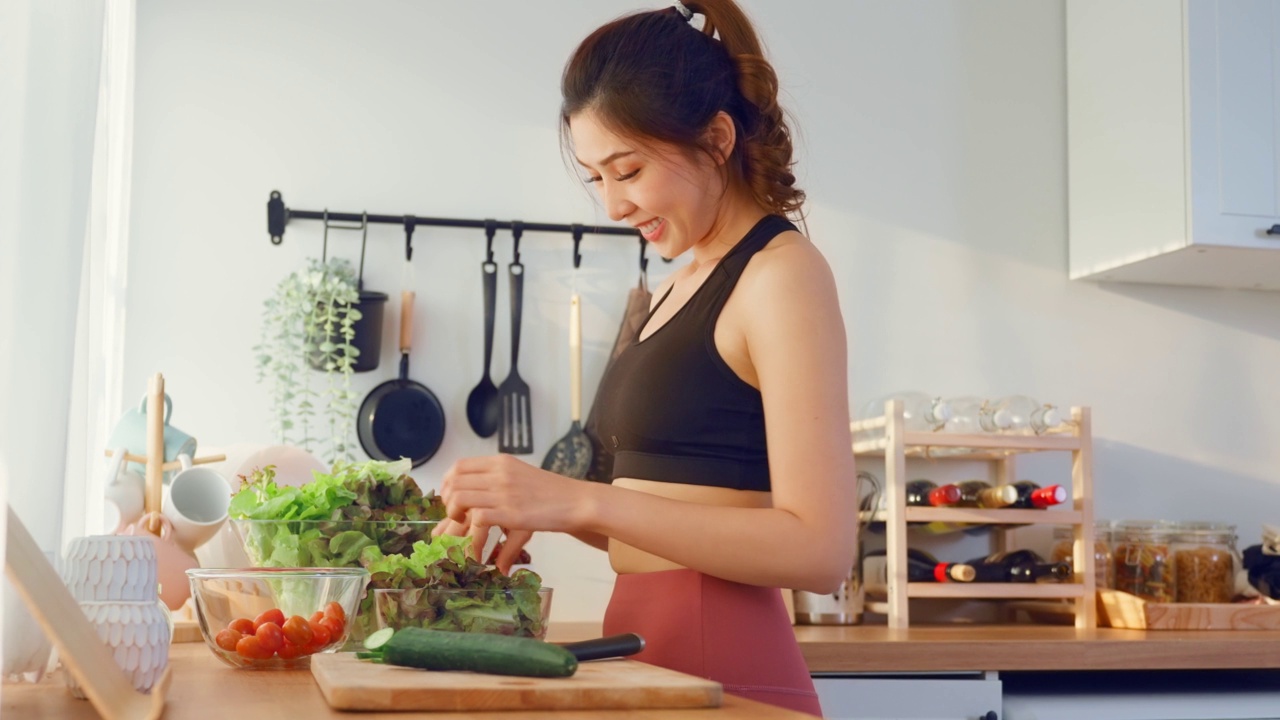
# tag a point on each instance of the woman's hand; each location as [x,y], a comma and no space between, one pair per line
[502,491]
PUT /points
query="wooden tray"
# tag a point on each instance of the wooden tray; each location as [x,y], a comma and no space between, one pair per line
[351,684]
[1119,609]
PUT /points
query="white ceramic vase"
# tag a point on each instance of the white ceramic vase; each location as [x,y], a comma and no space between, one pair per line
[138,634]
[114,578]
[111,567]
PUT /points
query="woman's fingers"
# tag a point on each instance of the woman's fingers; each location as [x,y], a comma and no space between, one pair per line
[512,544]
[449,526]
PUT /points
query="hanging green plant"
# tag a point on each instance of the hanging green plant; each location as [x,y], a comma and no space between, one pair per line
[310,322]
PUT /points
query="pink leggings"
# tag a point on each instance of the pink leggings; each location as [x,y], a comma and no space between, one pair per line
[738,635]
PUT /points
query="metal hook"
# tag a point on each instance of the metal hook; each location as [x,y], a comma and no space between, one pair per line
[409,223]
[364,240]
[490,229]
[577,231]
[517,229]
[644,261]
[324,252]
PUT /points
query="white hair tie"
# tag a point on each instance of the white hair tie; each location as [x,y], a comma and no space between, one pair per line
[686,12]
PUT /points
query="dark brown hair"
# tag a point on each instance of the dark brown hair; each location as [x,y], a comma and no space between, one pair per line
[653,75]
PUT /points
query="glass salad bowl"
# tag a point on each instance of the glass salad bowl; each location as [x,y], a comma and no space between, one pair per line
[523,612]
[275,618]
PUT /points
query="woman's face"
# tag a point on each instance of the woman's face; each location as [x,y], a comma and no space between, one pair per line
[671,198]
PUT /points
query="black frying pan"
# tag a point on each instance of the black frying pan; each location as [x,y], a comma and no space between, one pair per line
[401,417]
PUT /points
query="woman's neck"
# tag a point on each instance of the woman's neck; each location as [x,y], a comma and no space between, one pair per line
[733,219]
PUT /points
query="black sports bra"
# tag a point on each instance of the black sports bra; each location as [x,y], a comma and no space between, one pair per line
[672,409]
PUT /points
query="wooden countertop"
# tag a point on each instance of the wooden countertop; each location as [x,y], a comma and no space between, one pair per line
[203,688]
[874,648]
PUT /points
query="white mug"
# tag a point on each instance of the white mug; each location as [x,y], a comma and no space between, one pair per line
[195,503]
[125,491]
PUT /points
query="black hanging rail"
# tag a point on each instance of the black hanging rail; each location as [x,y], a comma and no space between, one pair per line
[278,215]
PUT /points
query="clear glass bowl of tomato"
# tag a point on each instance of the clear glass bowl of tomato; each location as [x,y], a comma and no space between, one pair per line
[275,618]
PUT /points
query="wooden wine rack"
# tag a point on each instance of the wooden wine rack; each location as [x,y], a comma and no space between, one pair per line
[895,444]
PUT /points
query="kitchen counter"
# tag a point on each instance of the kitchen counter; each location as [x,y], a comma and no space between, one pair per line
[957,648]
[203,688]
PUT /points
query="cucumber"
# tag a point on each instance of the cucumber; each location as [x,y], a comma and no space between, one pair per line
[378,638]
[477,652]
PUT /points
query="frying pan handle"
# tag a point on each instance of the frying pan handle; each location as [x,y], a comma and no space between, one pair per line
[490,270]
[406,320]
[605,647]
[575,358]
[516,270]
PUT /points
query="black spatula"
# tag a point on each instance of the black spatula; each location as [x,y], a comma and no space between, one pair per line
[571,455]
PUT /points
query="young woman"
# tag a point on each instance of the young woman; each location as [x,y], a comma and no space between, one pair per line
[728,419]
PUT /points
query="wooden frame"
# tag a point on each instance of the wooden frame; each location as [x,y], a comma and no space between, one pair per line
[896,444]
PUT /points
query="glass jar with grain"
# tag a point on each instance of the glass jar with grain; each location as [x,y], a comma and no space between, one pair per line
[1103,565]
[1204,556]
[1142,559]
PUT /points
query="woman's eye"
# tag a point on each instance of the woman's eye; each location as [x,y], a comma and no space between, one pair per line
[591,180]
[628,176]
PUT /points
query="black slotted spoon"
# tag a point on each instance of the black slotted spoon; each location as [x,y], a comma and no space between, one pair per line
[515,434]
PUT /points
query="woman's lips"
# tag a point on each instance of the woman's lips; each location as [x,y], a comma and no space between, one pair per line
[651,231]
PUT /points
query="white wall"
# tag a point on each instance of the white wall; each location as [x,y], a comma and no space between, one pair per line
[931,145]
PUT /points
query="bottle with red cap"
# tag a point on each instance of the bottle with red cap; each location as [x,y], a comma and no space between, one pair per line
[921,567]
[1031,495]
[926,493]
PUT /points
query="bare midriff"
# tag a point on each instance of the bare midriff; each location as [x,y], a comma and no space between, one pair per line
[627,559]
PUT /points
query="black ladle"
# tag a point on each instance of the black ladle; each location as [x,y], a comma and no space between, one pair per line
[483,410]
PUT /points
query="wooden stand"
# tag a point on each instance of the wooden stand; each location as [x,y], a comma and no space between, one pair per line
[896,444]
[153,496]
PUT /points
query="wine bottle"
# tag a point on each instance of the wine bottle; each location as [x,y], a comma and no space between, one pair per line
[1027,416]
[1018,566]
[926,493]
[920,411]
[981,494]
[1031,495]
[973,415]
[921,567]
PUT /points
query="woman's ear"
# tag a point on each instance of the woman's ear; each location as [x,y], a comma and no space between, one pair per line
[722,135]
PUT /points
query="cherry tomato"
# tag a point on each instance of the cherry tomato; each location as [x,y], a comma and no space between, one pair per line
[334,610]
[270,636]
[249,647]
[320,637]
[244,626]
[227,639]
[289,651]
[317,616]
[297,631]
[335,626]
[274,615]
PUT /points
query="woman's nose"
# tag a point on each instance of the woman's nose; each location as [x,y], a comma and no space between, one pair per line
[617,204]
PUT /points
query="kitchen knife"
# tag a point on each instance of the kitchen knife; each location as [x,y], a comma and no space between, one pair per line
[606,647]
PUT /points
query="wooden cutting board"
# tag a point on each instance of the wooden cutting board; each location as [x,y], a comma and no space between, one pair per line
[351,684]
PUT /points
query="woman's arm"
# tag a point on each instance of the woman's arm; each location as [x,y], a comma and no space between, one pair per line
[807,540]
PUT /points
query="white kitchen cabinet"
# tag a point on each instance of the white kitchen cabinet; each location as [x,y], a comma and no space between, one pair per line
[966,696]
[1173,141]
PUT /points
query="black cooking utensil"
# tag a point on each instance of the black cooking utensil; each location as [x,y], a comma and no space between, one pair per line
[605,647]
[515,435]
[401,417]
[571,455]
[483,409]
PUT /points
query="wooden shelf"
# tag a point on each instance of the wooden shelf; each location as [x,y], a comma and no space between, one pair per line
[895,444]
[982,516]
[995,591]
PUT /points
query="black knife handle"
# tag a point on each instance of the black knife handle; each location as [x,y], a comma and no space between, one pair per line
[605,647]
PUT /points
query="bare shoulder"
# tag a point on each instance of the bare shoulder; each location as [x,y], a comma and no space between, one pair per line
[790,264]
